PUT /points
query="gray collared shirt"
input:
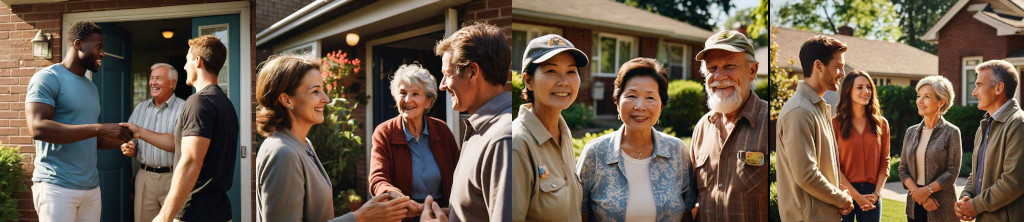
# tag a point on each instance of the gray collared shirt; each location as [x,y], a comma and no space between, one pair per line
[160,119]
[479,185]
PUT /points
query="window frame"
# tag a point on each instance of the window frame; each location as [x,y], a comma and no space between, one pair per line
[686,64]
[532,31]
[596,58]
[965,67]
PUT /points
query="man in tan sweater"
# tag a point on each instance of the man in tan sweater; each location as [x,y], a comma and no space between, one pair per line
[807,165]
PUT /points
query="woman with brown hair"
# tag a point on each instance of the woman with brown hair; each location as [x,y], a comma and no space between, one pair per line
[862,136]
[291,184]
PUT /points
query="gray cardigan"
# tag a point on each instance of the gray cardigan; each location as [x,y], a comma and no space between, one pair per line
[942,164]
[291,183]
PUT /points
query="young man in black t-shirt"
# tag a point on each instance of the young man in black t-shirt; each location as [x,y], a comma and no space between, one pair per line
[206,138]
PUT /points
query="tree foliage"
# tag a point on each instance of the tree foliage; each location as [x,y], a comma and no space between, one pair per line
[781,83]
[694,12]
[874,19]
[915,17]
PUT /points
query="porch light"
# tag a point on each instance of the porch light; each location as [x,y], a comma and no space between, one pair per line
[167,33]
[352,39]
[41,45]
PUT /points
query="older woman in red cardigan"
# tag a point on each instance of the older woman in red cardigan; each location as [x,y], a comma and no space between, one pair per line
[413,154]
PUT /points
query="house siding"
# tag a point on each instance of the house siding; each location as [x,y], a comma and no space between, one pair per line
[965,36]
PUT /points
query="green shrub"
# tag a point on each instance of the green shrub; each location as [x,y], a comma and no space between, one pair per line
[578,115]
[900,109]
[11,182]
[517,90]
[773,198]
[578,143]
[894,169]
[967,118]
[965,164]
[686,106]
[762,89]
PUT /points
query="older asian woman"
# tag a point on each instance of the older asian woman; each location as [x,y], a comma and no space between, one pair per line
[291,183]
[931,155]
[636,172]
[413,154]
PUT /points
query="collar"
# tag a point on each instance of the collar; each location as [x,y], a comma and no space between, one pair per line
[811,95]
[408,135]
[287,135]
[170,101]
[490,110]
[536,129]
[748,111]
[614,156]
[1004,111]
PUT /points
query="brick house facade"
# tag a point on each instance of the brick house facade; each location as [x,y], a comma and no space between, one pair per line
[968,34]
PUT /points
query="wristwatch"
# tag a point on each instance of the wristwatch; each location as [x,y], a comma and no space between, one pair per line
[930,189]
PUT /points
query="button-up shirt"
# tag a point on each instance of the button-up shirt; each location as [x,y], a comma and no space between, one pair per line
[606,189]
[426,176]
[160,119]
[542,170]
[729,188]
[482,175]
[1007,107]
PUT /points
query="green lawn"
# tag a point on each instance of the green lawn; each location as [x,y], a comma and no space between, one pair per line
[893,210]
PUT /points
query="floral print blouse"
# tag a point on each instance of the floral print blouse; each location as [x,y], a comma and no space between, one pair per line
[605,191]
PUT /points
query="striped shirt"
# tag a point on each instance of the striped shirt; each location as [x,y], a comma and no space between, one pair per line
[157,119]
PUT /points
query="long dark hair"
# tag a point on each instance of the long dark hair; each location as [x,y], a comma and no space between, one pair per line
[844,111]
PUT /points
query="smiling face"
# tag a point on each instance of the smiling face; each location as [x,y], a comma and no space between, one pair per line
[727,79]
[91,52]
[160,85]
[833,72]
[861,92]
[928,103]
[412,101]
[639,104]
[309,100]
[457,82]
[555,82]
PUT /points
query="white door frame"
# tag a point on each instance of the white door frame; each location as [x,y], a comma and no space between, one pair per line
[241,8]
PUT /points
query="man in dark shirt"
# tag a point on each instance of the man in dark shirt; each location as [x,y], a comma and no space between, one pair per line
[206,138]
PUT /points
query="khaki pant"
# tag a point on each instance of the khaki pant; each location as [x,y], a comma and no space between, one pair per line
[56,203]
[150,191]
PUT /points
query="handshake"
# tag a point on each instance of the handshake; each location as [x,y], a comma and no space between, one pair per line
[395,206]
[126,132]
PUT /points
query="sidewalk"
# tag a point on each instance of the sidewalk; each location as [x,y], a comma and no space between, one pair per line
[895,190]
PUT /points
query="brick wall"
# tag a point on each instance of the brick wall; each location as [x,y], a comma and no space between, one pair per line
[965,36]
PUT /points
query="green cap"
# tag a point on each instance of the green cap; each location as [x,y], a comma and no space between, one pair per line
[727,40]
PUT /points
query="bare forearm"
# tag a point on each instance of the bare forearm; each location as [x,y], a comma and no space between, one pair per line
[184,179]
[59,133]
[164,141]
[910,184]
[105,144]
[881,182]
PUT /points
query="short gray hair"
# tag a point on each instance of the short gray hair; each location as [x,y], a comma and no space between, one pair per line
[1002,71]
[414,74]
[943,89]
[172,72]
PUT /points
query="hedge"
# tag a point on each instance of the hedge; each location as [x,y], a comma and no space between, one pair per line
[687,103]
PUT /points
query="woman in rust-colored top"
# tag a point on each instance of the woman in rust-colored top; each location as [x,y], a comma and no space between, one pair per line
[862,134]
[413,154]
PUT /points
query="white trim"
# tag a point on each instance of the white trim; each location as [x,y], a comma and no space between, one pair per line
[368,75]
[535,30]
[314,49]
[240,8]
[977,7]
[963,76]
[530,15]
[451,24]
[303,15]
[932,34]
[1002,29]
[370,14]
[634,48]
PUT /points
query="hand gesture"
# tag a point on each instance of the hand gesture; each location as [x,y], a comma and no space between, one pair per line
[432,212]
[931,204]
[873,198]
[136,130]
[381,209]
[128,149]
[920,195]
[115,132]
[414,208]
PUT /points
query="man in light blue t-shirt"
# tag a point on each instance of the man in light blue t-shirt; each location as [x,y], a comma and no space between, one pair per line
[62,109]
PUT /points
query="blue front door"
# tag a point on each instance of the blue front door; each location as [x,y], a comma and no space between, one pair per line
[226,28]
[114,83]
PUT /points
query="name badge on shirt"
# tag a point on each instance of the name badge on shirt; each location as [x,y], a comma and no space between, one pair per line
[754,158]
[543,170]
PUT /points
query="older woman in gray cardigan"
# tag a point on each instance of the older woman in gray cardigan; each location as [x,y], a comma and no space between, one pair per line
[291,184]
[931,155]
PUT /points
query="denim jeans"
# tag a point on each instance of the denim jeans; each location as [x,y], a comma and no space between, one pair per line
[873,215]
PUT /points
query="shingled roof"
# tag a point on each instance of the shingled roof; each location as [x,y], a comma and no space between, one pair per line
[609,14]
[875,57]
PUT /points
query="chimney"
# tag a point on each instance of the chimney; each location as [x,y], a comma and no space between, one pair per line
[740,27]
[846,30]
